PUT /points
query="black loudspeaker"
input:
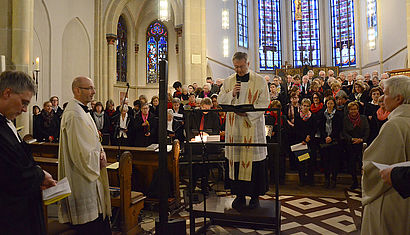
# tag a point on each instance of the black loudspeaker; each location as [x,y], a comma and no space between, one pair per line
[174,227]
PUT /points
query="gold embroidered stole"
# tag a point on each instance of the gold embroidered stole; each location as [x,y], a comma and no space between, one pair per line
[247,131]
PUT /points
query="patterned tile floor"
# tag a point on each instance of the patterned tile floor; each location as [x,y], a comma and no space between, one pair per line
[300,215]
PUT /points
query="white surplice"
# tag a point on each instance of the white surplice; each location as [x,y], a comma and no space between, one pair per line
[248,129]
[385,211]
[79,161]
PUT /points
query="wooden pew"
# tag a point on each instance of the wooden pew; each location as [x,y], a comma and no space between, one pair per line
[144,162]
[129,202]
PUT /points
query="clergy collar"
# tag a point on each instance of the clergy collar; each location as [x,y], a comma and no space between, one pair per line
[85,107]
[244,78]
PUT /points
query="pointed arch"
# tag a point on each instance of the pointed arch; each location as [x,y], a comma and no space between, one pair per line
[157,49]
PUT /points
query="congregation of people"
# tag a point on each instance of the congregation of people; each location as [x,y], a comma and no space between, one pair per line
[335,115]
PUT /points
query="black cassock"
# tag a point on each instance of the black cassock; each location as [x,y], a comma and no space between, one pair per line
[21,210]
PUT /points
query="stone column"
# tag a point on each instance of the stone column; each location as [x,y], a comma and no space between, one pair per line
[111,39]
[136,50]
[21,37]
[178,53]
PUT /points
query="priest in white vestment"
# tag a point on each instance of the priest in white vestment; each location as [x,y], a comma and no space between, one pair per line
[247,165]
[385,211]
[82,160]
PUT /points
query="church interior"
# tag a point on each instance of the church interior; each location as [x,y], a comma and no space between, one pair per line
[119,45]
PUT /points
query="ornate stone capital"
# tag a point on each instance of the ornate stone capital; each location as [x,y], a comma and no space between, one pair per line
[111,38]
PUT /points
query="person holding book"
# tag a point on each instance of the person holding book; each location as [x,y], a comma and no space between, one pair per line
[21,179]
[81,158]
[247,165]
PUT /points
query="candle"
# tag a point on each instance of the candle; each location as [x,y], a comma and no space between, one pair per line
[37,67]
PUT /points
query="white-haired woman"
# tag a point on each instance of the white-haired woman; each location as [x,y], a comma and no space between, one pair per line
[123,127]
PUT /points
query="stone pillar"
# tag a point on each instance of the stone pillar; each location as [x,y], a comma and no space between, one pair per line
[408,32]
[136,50]
[194,41]
[111,39]
[21,36]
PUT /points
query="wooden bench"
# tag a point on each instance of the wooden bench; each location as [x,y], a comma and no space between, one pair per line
[129,202]
[144,165]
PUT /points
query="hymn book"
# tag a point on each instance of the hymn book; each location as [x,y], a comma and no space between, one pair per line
[56,193]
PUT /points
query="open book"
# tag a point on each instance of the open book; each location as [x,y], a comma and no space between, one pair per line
[56,193]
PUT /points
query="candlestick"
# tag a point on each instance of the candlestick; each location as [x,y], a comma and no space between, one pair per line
[37,67]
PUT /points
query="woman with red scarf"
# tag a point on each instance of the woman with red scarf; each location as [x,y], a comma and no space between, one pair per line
[146,128]
[272,120]
[49,124]
[305,127]
[355,132]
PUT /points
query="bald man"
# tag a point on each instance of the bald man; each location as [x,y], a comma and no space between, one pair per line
[82,160]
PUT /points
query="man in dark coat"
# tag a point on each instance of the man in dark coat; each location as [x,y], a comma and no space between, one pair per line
[21,180]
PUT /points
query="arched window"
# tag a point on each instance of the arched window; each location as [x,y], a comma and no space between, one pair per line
[270,54]
[157,49]
[306,39]
[122,50]
[343,34]
[242,7]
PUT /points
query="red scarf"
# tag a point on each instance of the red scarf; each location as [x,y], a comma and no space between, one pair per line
[382,115]
[305,116]
[110,112]
[335,92]
[275,115]
[192,104]
[144,117]
[355,120]
[315,108]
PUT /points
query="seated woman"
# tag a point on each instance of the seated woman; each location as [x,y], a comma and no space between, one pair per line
[102,122]
[123,128]
[49,130]
[305,127]
[146,128]
[330,126]
[355,132]
[203,123]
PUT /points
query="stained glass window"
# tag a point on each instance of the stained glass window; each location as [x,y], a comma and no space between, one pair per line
[157,49]
[121,50]
[242,23]
[343,34]
[306,39]
[270,54]
[372,23]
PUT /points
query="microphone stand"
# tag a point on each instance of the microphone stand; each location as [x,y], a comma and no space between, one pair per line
[117,124]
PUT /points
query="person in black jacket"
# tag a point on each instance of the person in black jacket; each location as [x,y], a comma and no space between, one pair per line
[146,128]
[370,110]
[355,132]
[21,179]
[330,127]
[399,178]
[202,124]
[102,122]
[49,124]
[304,127]
[123,128]
[36,122]
[56,109]
[154,106]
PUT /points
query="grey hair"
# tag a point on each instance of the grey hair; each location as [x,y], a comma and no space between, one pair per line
[207,85]
[240,56]
[398,85]
[125,108]
[17,81]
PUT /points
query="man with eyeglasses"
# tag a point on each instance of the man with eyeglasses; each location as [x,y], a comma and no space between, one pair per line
[82,160]
[21,179]
[247,165]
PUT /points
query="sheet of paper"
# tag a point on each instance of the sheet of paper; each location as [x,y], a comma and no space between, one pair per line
[298,147]
[384,166]
[114,166]
[169,149]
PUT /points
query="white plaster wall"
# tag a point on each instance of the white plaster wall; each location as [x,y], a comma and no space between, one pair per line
[61,12]
[42,49]
[76,56]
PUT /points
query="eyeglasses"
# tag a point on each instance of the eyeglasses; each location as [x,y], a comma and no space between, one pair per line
[87,88]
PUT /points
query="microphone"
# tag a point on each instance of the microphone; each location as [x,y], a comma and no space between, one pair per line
[238,82]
